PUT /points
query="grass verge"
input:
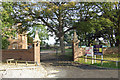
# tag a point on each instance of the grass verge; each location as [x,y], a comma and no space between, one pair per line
[106,64]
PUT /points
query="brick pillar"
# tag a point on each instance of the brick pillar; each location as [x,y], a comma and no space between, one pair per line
[26,46]
[75,46]
[37,48]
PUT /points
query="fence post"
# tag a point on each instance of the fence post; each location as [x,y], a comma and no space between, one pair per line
[101,62]
[92,60]
[75,48]
[95,58]
[102,59]
[86,58]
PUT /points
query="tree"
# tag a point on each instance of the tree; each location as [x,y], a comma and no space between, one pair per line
[5,43]
[58,16]
[14,13]
[85,30]
[111,11]
[6,23]
[43,33]
[6,19]
[102,21]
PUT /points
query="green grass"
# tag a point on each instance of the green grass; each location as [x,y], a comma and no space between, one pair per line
[107,64]
[68,50]
[68,53]
[46,49]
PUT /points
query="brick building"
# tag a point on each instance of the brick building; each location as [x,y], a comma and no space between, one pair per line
[18,41]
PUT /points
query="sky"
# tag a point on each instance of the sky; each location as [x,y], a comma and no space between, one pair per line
[51,40]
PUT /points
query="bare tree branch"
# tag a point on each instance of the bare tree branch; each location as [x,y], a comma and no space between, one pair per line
[47,24]
[69,29]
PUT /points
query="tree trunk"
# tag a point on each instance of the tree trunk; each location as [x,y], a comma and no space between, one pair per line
[117,40]
[61,33]
[62,46]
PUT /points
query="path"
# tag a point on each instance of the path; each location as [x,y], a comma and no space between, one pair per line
[22,71]
[62,67]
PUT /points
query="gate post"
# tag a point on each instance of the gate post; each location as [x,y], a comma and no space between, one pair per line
[37,48]
[75,48]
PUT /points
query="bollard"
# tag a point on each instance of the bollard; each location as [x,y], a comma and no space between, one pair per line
[86,58]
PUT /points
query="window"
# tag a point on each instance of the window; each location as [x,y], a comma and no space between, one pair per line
[15,46]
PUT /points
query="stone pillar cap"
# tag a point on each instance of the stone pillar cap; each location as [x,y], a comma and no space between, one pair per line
[75,37]
[36,37]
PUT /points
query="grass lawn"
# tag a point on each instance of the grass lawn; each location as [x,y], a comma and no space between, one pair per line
[107,64]
[68,50]
[46,49]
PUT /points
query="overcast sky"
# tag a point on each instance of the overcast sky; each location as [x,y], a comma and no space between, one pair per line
[51,40]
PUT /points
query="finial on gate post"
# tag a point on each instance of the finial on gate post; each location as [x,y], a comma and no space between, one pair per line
[37,48]
[36,37]
[75,39]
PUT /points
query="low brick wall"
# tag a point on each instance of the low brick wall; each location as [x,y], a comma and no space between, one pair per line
[18,54]
[108,50]
[112,50]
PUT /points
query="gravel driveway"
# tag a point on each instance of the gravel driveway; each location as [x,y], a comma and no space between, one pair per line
[13,71]
[62,68]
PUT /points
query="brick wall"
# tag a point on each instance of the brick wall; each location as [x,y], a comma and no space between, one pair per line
[108,50]
[112,50]
[18,54]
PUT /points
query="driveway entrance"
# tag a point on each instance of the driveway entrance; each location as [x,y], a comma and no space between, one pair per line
[63,67]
